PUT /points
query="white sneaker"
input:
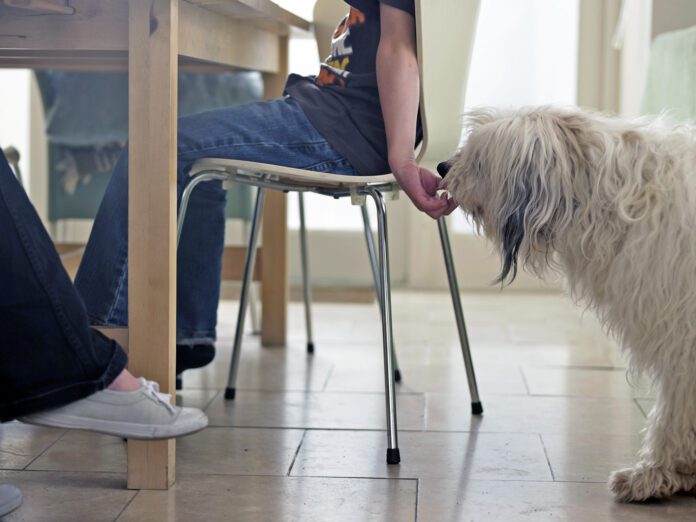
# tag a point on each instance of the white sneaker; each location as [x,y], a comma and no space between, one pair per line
[10,499]
[141,414]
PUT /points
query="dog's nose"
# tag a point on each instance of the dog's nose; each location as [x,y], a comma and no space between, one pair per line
[443,168]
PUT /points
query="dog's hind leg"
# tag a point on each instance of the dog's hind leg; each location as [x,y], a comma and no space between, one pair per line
[668,457]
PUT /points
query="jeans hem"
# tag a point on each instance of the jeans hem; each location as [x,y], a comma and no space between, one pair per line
[193,338]
[68,393]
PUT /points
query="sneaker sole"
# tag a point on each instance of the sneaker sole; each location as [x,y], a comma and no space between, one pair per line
[119,429]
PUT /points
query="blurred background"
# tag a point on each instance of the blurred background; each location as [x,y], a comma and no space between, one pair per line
[592,53]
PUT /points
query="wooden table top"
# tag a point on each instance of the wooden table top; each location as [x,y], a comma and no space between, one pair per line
[93,34]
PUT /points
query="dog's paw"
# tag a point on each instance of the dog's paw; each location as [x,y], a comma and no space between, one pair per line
[642,483]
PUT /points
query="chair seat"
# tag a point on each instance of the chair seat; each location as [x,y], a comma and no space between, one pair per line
[288,175]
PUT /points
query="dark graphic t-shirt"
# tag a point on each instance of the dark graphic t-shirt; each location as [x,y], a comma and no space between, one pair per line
[342,101]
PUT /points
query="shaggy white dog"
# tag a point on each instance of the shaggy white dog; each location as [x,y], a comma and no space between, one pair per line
[612,205]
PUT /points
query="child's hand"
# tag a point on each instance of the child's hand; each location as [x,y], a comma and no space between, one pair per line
[422,186]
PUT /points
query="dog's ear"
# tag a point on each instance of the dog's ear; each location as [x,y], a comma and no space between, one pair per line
[511,239]
[532,195]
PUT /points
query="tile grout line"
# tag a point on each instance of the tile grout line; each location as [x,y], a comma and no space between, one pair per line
[524,380]
[328,377]
[546,454]
[44,451]
[297,452]
[210,401]
[130,501]
[417,495]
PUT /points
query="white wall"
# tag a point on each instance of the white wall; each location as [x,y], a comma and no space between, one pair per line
[14,115]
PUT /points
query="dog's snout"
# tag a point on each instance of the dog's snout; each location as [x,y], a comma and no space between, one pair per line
[443,168]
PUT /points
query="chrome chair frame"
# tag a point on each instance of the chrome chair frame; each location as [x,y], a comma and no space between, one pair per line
[382,281]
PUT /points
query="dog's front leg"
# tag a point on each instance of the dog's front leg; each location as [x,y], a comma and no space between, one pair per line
[667,462]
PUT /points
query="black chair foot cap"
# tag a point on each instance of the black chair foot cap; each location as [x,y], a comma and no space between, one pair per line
[310,347]
[393,456]
[397,375]
[179,382]
[230,393]
[476,408]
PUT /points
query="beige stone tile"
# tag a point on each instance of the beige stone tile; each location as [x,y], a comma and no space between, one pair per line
[589,457]
[455,456]
[439,378]
[535,414]
[238,451]
[557,354]
[277,499]
[314,410]
[195,398]
[22,443]
[583,382]
[289,368]
[234,451]
[512,501]
[68,497]
[84,451]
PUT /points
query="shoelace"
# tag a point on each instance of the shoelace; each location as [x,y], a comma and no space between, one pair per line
[152,389]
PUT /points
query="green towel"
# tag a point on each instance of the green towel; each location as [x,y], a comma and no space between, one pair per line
[671,82]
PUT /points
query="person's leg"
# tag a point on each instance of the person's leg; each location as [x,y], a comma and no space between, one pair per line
[273,132]
[49,355]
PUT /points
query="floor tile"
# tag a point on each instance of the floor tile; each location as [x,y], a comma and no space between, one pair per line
[238,451]
[278,499]
[537,414]
[269,369]
[68,497]
[314,410]
[22,443]
[233,451]
[559,417]
[423,454]
[511,501]
[589,457]
[450,378]
[195,398]
[83,451]
[583,382]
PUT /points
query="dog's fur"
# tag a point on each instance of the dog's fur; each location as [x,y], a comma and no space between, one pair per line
[612,205]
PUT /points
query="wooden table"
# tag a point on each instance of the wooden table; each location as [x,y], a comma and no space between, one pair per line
[153,39]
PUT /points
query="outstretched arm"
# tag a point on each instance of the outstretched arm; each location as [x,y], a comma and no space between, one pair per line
[399,93]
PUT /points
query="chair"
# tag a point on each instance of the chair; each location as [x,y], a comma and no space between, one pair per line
[12,156]
[441,27]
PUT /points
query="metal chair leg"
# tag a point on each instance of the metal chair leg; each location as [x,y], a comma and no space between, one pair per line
[476,407]
[230,391]
[253,292]
[393,456]
[369,240]
[186,195]
[306,288]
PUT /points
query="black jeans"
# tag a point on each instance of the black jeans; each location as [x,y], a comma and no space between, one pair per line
[49,356]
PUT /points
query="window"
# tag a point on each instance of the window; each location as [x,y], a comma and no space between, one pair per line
[525,53]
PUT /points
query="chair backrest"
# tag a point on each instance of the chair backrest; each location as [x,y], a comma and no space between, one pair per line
[445,31]
[327,14]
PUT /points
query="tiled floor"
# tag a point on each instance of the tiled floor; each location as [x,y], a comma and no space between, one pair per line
[305,440]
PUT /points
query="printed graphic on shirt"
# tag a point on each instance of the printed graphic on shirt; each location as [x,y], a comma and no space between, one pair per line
[335,70]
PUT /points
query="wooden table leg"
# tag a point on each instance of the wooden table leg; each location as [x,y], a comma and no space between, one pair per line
[152,89]
[274,256]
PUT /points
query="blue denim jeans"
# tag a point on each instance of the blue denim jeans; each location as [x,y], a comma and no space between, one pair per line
[275,132]
[49,356]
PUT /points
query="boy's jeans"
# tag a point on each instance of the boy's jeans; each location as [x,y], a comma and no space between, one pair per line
[48,354]
[275,132]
